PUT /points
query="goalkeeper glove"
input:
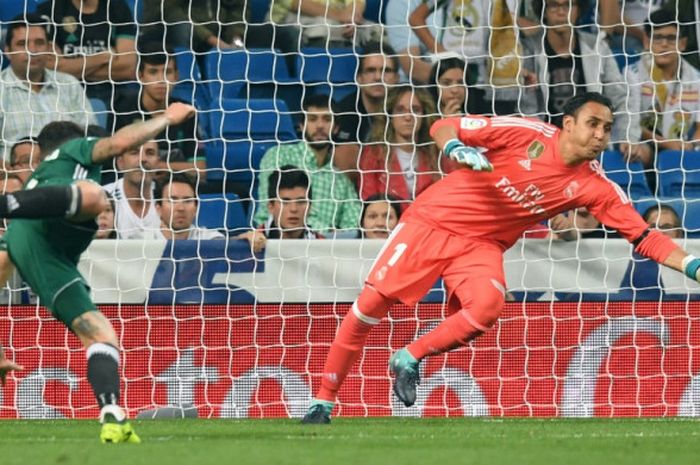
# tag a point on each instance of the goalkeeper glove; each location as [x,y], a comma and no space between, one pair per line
[691,264]
[467,156]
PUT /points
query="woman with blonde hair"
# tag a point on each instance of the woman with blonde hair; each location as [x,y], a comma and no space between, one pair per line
[401,159]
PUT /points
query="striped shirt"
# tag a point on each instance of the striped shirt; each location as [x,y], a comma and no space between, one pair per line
[24,112]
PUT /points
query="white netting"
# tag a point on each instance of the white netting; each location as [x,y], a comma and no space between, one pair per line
[209,324]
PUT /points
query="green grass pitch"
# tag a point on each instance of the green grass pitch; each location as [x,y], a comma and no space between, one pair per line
[362,441]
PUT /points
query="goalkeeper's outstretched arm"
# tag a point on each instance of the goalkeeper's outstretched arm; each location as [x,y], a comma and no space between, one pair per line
[136,134]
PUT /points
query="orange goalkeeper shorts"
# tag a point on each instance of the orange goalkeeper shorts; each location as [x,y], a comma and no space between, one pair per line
[415,256]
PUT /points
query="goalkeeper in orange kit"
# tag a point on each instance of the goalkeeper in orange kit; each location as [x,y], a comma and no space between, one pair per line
[520,172]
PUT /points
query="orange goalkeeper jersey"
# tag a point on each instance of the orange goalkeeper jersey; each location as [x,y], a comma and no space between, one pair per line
[529,183]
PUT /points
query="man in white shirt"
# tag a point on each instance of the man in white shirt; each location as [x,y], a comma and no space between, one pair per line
[31,95]
[176,203]
[665,90]
[135,214]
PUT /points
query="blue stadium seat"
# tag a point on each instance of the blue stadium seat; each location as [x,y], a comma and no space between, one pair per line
[335,65]
[256,119]
[10,9]
[100,110]
[234,161]
[258,10]
[630,176]
[679,174]
[218,211]
[375,10]
[187,88]
[230,72]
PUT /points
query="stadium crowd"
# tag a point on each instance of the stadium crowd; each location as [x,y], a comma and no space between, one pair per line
[345,92]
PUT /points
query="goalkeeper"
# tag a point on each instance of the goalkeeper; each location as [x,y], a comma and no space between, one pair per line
[524,172]
[46,251]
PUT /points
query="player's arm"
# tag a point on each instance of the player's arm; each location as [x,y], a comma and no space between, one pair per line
[7,366]
[136,134]
[612,208]
[446,134]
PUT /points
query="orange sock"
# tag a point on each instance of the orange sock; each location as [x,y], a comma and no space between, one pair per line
[344,351]
[366,312]
[454,332]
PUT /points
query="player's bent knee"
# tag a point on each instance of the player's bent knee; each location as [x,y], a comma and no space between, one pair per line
[486,304]
[93,327]
[6,267]
[371,305]
[93,200]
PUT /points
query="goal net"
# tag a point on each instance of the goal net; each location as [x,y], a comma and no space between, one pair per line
[221,327]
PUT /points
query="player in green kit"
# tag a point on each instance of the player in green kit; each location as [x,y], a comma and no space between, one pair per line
[46,251]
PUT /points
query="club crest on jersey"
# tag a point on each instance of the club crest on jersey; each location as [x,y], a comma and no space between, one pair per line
[473,123]
[535,150]
[571,190]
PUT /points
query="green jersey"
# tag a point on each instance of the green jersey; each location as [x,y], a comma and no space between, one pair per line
[67,164]
[46,252]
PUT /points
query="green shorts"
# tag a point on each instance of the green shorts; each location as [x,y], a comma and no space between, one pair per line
[46,253]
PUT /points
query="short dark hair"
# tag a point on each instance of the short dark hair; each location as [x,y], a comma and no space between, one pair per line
[663,18]
[23,140]
[378,48]
[155,54]
[663,207]
[316,101]
[394,203]
[574,104]
[287,177]
[57,133]
[173,178]
[25,20]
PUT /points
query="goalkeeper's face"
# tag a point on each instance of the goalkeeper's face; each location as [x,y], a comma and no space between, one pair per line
[587,133]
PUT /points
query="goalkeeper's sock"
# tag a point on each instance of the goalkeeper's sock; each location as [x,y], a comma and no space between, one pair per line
[344,351]
[454,332]
[103,375]
[367,311]
[42,202]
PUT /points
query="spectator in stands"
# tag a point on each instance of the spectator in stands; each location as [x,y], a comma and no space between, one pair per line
[402,159]
[335,207]
[176,203]
[288,193]
[322,22]
[377,70]
[623,21]
[105,221]
[216,24]
[664,218]
[448,86]
[667,90]
[24,158]
[642,279]
[466,31]
[577,224]
[566,62]
[200,25]
[412,53]
[135,213]
[31,94]
[94,41]
[688,12]
[380,215]
[179,147]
